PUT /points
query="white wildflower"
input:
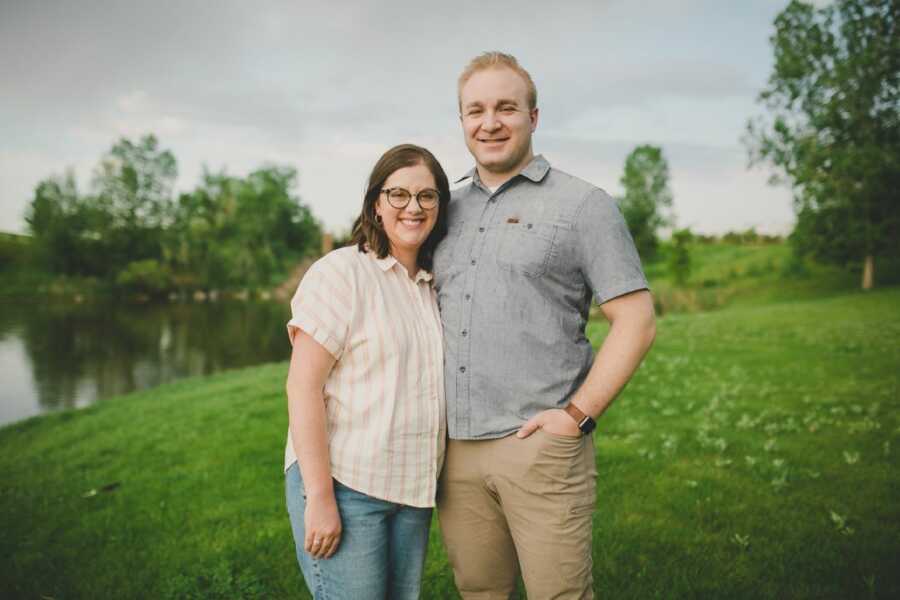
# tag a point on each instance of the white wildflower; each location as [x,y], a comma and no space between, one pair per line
[741,540]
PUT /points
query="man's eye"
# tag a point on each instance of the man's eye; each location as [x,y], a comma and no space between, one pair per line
[473,112]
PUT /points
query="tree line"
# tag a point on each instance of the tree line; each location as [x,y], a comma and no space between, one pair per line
[132,233]
[831,130]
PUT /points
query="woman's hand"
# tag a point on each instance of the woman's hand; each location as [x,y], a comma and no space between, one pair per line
[323,526]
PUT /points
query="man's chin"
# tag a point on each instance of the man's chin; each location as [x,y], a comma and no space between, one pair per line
[494,165]
[501,164]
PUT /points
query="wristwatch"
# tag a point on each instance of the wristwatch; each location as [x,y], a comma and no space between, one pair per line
[585,423]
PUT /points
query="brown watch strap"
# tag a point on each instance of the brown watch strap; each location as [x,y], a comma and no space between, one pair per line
[575,413]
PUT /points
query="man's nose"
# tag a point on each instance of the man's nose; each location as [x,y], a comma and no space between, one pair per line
[490,122]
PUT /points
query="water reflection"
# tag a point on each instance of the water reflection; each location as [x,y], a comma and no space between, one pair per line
[81,353]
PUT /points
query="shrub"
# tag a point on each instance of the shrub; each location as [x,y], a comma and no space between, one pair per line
[680,258]
[145,276]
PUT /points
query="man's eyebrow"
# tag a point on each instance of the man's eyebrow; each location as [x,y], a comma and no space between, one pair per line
[473,104]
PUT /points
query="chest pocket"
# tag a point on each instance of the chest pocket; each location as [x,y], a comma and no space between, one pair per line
[527,247]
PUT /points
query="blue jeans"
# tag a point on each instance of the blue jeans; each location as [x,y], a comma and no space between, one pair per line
[382,549]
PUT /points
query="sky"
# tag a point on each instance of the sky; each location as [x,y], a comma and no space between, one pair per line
[328,87]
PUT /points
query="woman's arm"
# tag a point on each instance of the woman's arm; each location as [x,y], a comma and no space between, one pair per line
[310,365]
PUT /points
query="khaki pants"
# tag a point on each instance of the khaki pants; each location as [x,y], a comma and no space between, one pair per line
[512,503]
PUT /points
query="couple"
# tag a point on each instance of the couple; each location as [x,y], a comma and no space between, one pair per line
[380,378]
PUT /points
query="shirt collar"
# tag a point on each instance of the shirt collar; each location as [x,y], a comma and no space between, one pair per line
[536,170]
[389,262]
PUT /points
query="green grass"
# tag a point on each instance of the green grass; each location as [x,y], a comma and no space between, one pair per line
[754,454]
[725,274]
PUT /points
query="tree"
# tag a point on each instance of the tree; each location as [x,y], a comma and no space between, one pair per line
[67,228]
[233,232]
[647,200]
[680,257]
[133,186]
[833,131]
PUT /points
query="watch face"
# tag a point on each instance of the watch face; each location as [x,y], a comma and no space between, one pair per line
[587,426]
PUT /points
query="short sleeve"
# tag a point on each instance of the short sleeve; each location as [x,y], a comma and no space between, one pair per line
[609,260]
[323,304]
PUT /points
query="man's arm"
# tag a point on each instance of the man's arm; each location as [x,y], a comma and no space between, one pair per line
[631,333]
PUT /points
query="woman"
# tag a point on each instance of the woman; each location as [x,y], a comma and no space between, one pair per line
[365,391]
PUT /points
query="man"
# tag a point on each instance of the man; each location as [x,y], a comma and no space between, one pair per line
[528,248]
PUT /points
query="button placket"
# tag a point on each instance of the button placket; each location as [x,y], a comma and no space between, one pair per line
[477,249]
[419,322]
[423,292]
[436,351]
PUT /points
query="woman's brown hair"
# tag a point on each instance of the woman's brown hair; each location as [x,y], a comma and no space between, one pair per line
[368,233]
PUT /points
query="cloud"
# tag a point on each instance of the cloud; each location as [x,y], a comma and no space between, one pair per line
[713,190]
[327,88]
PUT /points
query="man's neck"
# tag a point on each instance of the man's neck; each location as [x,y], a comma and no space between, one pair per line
[494,180]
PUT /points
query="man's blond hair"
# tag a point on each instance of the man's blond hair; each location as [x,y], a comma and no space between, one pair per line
[496,60]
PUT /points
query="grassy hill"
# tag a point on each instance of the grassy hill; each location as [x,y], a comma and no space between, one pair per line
[733,274]
[755,454]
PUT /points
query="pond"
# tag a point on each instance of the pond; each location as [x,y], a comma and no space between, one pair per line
[59,355]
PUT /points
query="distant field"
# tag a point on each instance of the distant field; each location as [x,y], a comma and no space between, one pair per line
[727,274]
[754,455]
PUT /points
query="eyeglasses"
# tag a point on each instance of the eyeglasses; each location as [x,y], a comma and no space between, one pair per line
[399,197]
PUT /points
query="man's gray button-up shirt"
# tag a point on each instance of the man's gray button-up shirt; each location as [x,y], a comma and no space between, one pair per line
[515,277]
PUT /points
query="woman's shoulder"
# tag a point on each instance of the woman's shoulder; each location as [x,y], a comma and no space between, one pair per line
[339,257]
[344,263]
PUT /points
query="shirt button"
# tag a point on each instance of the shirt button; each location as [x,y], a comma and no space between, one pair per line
[481,229]
[468,297]
[462,369]
[465,333]
[473,261]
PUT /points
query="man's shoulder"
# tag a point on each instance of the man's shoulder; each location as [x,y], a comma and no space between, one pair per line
[572,187]
[464,189]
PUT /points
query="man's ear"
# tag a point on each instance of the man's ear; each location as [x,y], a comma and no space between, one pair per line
[534,118]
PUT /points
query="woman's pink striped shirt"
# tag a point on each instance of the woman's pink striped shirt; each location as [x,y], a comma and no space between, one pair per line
[384,398]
